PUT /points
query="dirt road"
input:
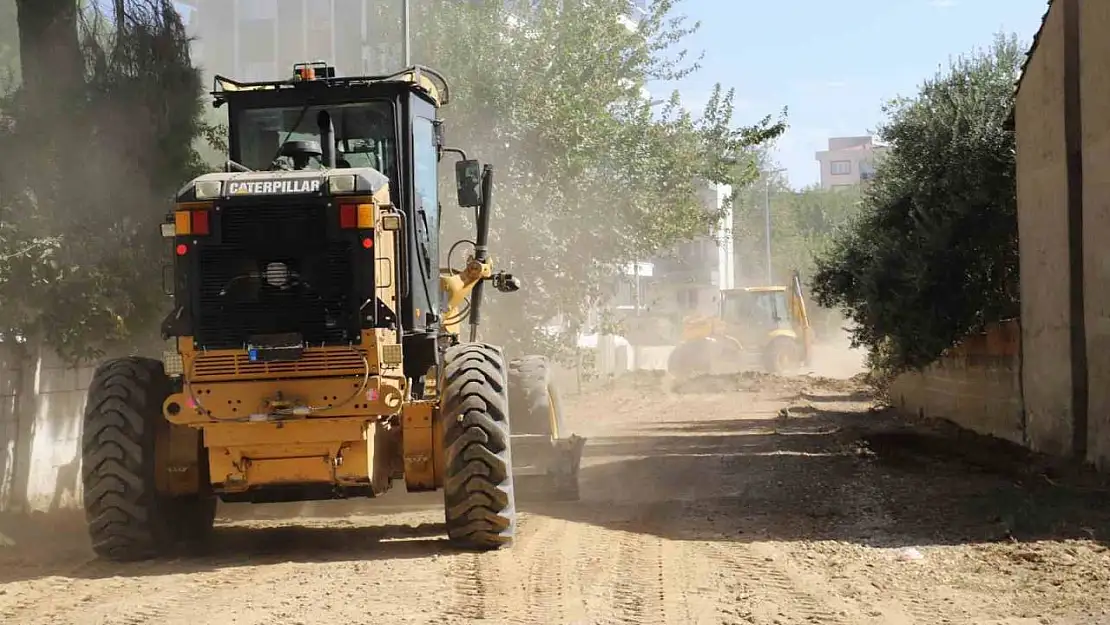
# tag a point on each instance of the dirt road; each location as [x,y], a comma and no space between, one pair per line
[754,501]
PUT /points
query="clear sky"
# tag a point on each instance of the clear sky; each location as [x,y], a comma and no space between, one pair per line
[835,63]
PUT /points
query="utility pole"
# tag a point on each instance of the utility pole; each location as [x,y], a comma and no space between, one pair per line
[767,222]
[406,61]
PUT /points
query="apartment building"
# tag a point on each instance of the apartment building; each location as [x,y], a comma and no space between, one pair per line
[848,161]
[262,39]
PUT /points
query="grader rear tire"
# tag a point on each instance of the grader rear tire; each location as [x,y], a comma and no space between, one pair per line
[127,518]
[533,400]
[479,502]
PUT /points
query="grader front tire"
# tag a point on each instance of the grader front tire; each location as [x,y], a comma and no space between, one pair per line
[480,507]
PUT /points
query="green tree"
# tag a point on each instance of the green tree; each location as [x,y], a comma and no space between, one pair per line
[103,146]
[803,223]
[589,174]
[933,254]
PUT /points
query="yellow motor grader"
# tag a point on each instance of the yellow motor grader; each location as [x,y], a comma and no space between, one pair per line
[315,348]
[760,327]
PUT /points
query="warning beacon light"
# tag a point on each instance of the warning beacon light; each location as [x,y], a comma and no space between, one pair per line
[312,71]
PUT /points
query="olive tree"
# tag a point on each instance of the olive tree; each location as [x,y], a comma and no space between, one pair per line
[933,254]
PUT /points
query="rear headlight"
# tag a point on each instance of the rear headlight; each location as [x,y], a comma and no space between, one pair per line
[207,189]
[342,183]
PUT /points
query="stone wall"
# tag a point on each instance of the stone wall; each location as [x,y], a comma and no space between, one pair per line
[976,385]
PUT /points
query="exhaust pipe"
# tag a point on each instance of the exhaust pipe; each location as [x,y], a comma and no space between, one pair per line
[327,138]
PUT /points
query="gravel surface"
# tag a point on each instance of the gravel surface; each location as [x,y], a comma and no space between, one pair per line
[747,499]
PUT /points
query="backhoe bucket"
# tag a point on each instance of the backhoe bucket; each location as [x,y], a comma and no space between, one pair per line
[546,468]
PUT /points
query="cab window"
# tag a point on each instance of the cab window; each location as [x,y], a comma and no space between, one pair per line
[425,182]
[364,133]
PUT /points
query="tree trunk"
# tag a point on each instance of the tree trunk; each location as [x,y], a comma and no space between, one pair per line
[49,53]
[53,76]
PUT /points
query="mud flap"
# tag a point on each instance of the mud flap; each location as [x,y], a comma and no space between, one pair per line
[545,468]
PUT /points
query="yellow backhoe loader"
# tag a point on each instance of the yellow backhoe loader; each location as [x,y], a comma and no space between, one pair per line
[761,328]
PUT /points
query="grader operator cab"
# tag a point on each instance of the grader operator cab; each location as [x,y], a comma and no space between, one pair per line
[760,327]
[315,340]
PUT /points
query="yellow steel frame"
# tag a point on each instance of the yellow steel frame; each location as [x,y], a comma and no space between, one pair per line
[363,429]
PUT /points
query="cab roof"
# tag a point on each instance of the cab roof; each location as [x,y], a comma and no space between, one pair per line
[418,79]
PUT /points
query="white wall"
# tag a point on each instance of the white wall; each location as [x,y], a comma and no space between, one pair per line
[40,432]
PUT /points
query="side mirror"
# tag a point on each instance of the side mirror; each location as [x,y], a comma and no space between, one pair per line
[437,125]
[468,183]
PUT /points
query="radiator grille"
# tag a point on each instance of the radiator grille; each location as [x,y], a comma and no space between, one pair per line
[237,298]
[312,363]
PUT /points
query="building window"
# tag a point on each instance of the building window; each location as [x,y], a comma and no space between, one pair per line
[257,10]
[840,168]
[866,171]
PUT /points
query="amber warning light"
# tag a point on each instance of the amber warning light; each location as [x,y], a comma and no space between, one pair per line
[312,71]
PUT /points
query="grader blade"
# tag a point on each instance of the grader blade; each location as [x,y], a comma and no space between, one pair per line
[546,468]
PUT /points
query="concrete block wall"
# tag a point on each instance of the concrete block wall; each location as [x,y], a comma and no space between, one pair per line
[976,385]
[10,381]
[42,399]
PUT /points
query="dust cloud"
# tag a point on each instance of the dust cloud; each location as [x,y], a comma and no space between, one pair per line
[834,357]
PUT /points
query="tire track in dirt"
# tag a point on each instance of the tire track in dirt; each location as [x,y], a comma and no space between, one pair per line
[759,591]
[468,587]
[545,588]
[100,601]
[636,580]
[587,573]
[85,590]
[688,584]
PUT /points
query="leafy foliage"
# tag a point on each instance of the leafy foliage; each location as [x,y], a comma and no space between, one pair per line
[933,254]
[103,155]
[589,173]
[803,224]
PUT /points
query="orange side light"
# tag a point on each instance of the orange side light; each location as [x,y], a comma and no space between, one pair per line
[191,222]
[359,216]
[183,223]
[365,215]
